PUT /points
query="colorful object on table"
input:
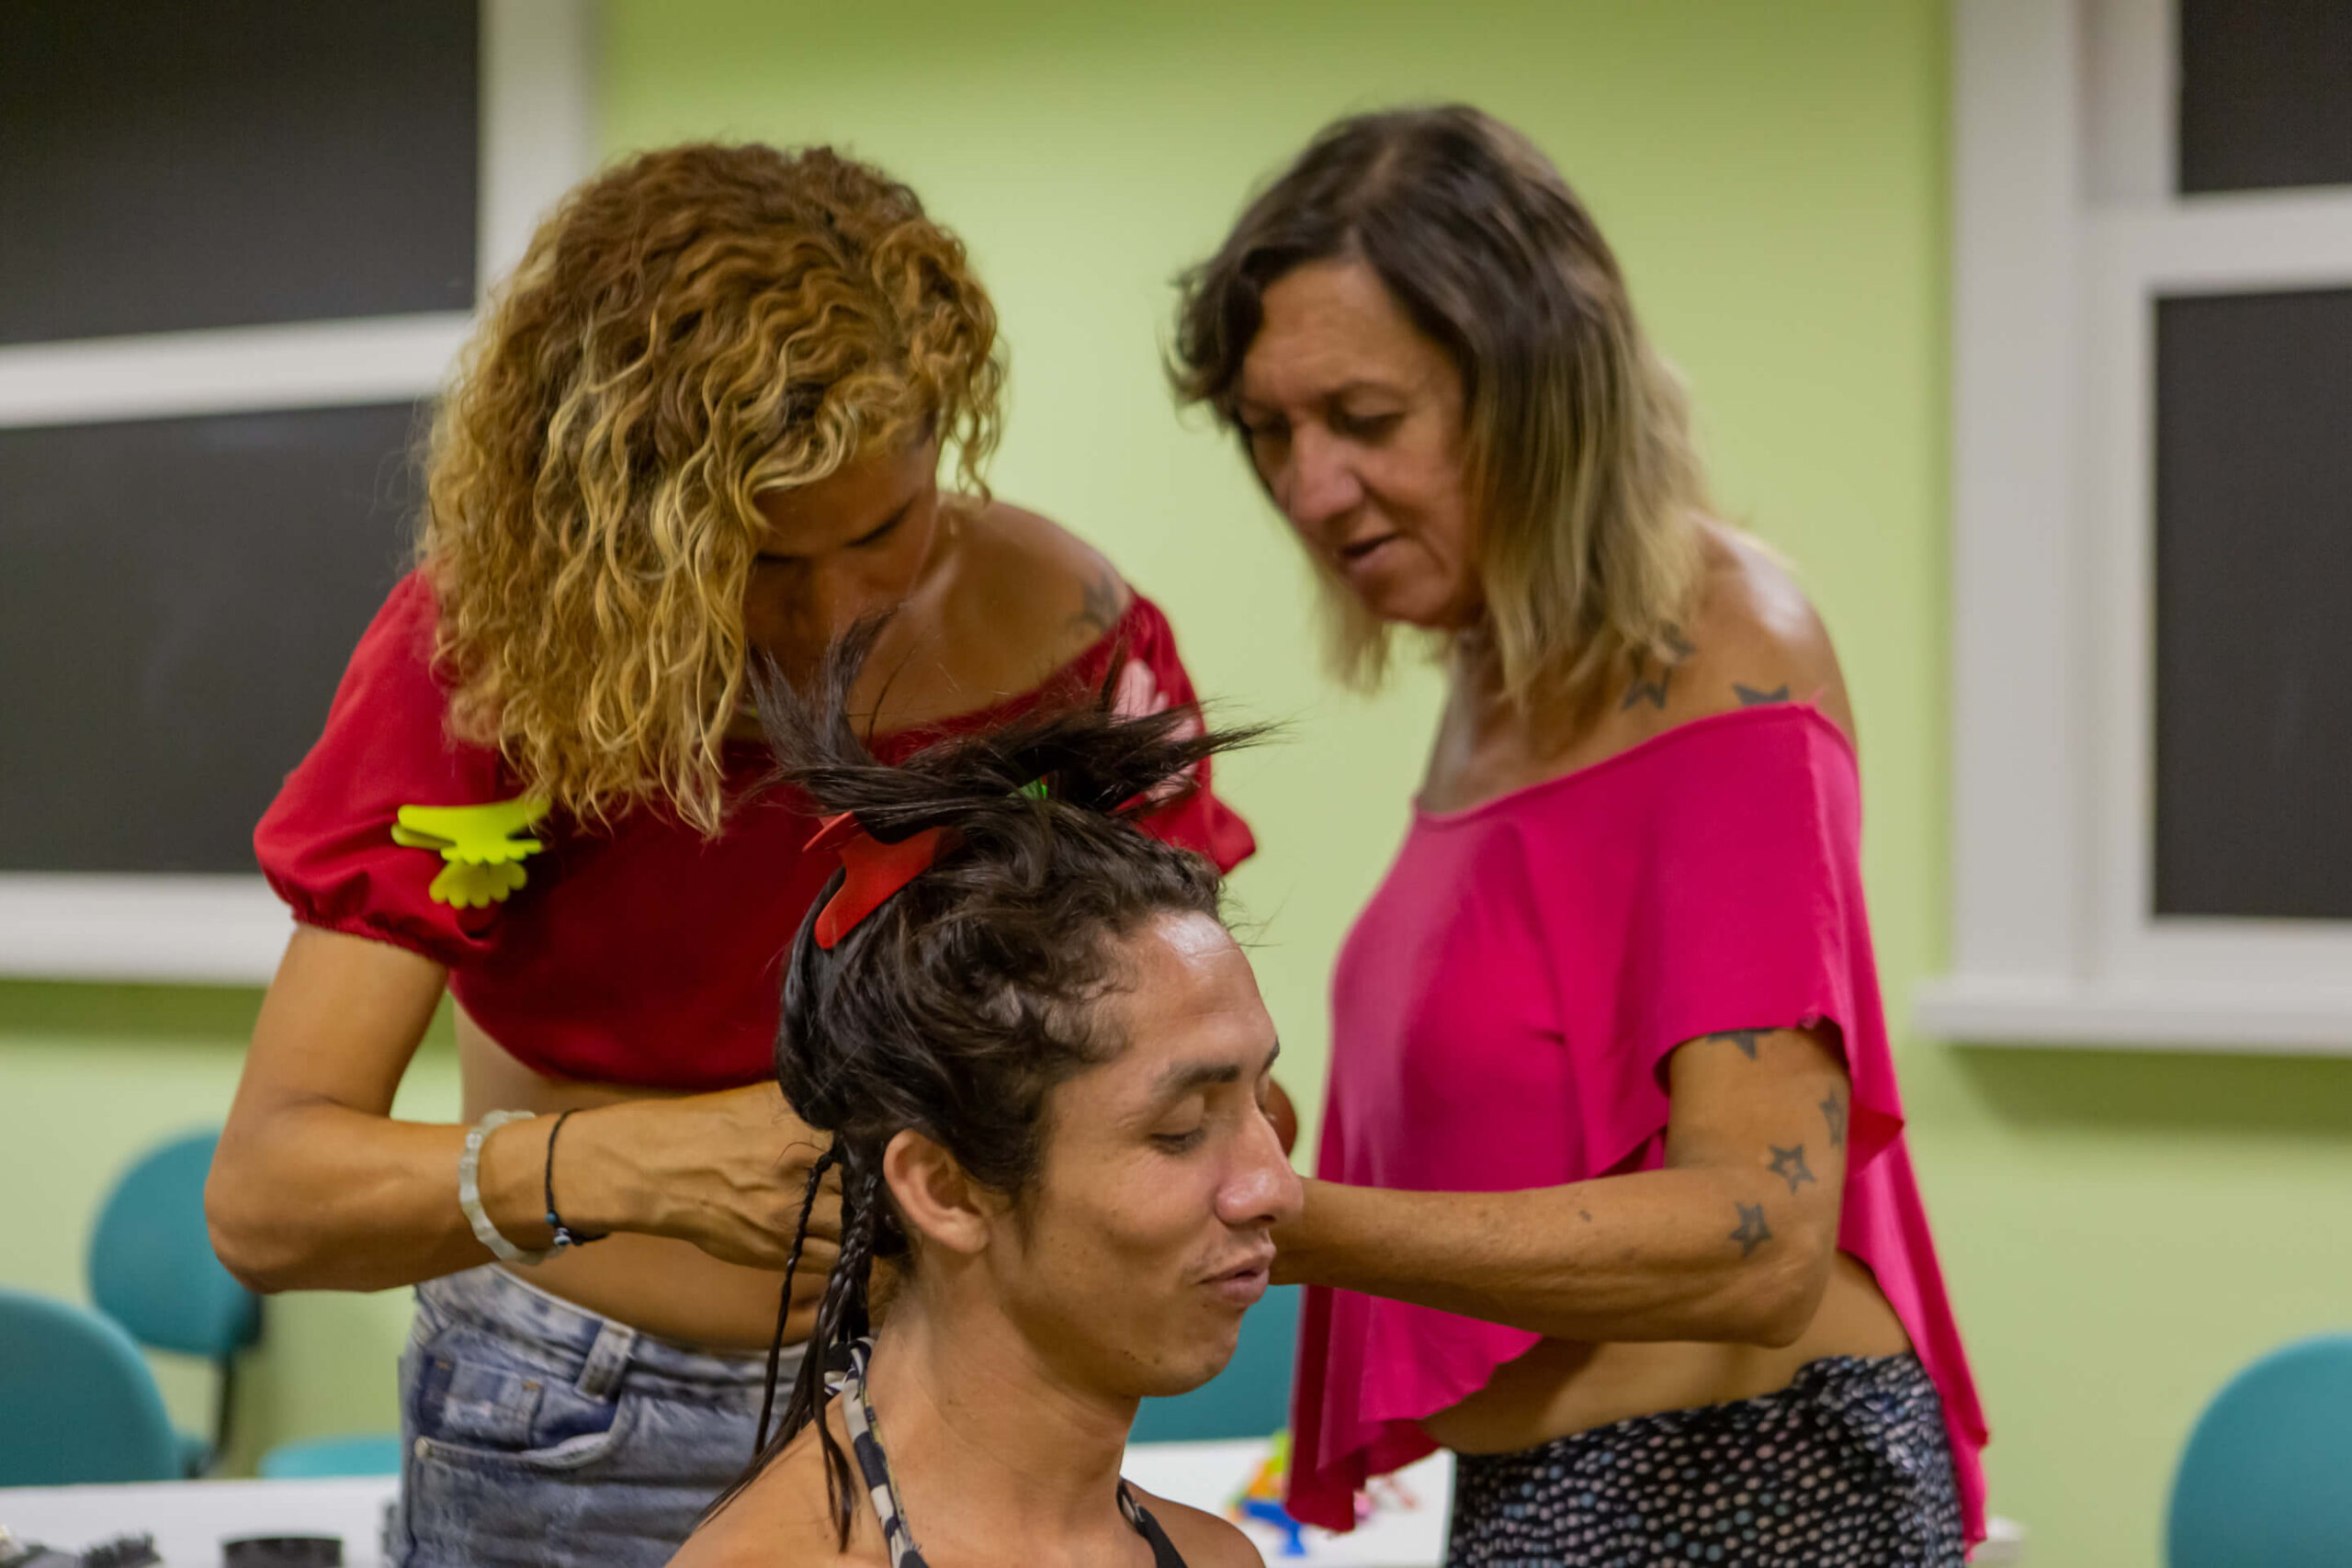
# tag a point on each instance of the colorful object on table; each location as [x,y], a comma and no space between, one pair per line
[484,846]
[870,871]
[1260,1502]
[1386,1494]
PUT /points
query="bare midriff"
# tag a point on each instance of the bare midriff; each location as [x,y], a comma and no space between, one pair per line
[660,1286]
[1563,1385]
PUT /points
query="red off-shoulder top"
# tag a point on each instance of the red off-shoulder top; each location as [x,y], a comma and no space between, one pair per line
[641,952]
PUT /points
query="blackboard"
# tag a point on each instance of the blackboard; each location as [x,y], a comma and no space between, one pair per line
[177,600]
[2254,605]
[179,595]
[166,166]
[2266,94]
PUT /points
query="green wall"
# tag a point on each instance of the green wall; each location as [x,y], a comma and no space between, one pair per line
[2120,1231]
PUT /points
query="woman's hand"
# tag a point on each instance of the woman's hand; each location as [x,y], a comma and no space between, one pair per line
[1283,1114]
[727,1171]
[316,1187]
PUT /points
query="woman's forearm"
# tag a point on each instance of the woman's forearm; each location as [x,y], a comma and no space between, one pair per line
[1679,1254]
[322,1196]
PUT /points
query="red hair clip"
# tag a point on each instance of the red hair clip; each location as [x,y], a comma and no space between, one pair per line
[872,871]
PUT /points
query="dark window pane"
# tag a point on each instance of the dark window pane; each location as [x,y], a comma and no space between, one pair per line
[2266,94]
[166,166]
[177,600]
[2254,605]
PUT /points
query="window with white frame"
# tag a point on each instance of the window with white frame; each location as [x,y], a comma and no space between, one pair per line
[240,247]
[2152,525]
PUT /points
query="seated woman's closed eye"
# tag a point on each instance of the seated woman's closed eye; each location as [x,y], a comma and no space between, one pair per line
[1044,1063]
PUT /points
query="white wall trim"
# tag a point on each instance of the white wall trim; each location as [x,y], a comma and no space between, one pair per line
[2013,568]
[2222,1018]
[2064,232]
[207,929]
[538,121]
[381,359]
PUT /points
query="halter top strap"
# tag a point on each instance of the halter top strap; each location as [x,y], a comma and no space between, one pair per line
[882,1488]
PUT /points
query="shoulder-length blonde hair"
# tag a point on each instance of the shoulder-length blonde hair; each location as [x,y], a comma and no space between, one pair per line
[1585,484]
[689,329]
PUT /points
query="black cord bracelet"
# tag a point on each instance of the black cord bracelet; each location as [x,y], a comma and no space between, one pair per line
[564,1234]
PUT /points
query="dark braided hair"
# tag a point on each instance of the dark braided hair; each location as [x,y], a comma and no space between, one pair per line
[957,1006]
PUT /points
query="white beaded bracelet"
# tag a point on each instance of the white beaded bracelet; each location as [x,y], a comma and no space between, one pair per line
[469,1190]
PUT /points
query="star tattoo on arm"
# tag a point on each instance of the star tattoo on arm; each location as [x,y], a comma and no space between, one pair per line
[1745,1039]
[1789,1167]
[1753,1232]
[1834,1109]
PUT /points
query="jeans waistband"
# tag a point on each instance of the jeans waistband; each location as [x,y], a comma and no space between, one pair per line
[493,1300]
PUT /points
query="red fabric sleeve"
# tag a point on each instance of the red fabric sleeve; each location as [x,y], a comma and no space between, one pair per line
[325,843]
[1738,869]
[1152,681]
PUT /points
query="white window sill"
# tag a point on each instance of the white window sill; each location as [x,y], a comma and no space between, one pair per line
[2246,1017]
[184,928]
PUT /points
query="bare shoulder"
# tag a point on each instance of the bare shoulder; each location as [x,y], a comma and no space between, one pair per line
[1031,593]
[1755,640]
[782,1521]
[1201,1539]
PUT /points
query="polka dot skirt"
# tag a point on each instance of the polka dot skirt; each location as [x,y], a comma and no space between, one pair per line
[1846,1467]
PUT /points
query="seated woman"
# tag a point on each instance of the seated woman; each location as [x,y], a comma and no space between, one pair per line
[1043,1064]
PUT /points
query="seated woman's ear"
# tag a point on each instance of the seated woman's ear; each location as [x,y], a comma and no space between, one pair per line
[940,1203]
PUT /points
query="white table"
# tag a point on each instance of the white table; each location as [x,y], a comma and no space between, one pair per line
[189,1518]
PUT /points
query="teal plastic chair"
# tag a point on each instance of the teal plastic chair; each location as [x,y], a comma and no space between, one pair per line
[2265,1480]
[77,1403]
[152,1270]
[1250,1398]
[315,1459]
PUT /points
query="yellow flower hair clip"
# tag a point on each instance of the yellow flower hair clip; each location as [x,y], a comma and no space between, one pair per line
[484,846]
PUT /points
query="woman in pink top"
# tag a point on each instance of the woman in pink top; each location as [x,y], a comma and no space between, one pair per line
[1614,1202]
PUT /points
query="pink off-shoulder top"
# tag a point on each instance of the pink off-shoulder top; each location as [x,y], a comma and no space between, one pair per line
[1503,1010]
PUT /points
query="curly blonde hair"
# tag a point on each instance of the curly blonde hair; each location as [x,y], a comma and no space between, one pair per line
[688,330]
[1589,488]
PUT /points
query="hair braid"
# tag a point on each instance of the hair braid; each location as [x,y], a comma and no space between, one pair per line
[842,1319]
[823,1163]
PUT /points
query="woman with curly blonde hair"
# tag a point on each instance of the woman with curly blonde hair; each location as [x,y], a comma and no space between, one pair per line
[699,429]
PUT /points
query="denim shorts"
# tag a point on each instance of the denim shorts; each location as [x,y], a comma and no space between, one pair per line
[538,1433]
